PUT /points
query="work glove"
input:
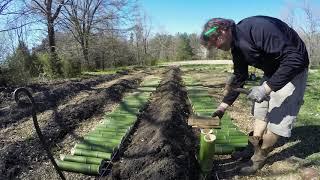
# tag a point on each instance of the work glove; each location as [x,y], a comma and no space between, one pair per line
[219,112]
[258,94]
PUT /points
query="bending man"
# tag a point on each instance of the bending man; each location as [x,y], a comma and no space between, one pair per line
[270,45]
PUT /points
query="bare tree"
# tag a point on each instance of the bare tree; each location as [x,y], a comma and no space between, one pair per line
[4,5]
[162,46]
[80,16]
[50,9]
[311,32]
[14,16]
[83,18]
[288,15]
[308,27]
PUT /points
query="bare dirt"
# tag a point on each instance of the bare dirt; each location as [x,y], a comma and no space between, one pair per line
[163,145]
[62,121]
[46,96]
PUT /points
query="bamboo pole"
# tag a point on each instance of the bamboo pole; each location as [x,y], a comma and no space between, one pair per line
[221,149]
[103,139]
[117,122]
[206,152]
[102,143]
[106,135]
[105,129]
[79,167]
[232,136]
[97,154]
[228,132]
[95,147]
[114,126]
[232,140]
[82,159]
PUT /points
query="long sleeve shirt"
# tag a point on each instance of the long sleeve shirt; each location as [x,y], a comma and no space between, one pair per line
[270,45]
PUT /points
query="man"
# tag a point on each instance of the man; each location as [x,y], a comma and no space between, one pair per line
[271,45]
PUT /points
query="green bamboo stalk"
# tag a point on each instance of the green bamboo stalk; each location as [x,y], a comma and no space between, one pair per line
[110,132]
[81,159]
[230,132]
[113,126]
[122,117]
[110,139]
[243,139]
[79,167]
[206,152]
[97,154]
[95,147]
[102,143]
[221,149]
[124,110]
[221,136]
[227,126]
[105,129]
[117,123]
[106,135]
[119,120]
[239,145]
[102,139]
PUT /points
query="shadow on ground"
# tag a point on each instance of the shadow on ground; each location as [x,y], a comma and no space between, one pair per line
[303,143]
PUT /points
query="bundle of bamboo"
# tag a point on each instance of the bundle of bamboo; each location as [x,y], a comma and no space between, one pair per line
[228,137]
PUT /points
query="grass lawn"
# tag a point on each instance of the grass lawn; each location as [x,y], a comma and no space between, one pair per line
[106,71]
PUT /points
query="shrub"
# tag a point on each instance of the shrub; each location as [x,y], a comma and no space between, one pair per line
[70,67]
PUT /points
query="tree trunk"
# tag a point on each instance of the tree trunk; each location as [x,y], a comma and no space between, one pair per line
[55,63]
[52,43]
[85,54]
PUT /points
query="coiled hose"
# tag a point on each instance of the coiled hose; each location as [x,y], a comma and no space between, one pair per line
[17,95]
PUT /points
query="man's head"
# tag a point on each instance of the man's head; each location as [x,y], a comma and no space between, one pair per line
[217,33]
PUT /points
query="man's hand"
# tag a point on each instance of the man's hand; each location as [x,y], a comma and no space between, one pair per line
[259,93]
[220,110]
[218,113]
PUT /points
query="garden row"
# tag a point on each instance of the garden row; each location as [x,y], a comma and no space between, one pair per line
[98,148]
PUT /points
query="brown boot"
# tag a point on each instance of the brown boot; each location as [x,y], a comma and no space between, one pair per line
[246,153]
[257,161]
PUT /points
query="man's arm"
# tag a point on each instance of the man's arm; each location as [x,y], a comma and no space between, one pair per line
[240,72]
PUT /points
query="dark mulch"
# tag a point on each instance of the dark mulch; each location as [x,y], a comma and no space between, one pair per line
[21,156]
[46,95]
[163,146]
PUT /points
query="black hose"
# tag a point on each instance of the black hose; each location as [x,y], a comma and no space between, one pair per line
[17,95]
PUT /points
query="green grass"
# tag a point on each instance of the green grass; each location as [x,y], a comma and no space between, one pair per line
[106,71]
[310,110]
